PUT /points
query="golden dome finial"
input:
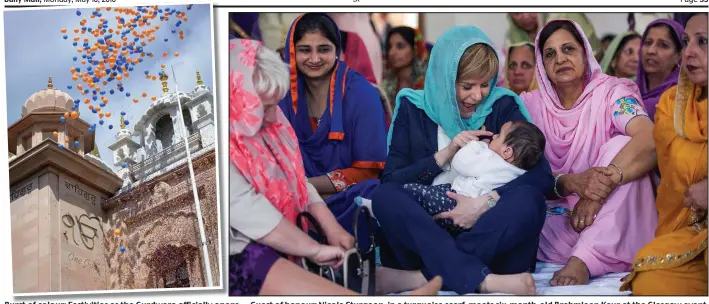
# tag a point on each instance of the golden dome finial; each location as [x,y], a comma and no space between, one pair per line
[49,84]
[199,79]
[123,124]
[163,78]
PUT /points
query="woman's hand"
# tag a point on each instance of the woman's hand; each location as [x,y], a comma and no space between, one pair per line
[584,214]
[326,255]
[696,196]
[337,236]
[467,212]
[464,137]
[594,184]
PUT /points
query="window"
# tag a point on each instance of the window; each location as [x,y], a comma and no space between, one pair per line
[164,132]
[27,142]
[48,134]
[178,277]
[188,120]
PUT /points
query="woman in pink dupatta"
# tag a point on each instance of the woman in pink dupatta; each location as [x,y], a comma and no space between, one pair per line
[600,147]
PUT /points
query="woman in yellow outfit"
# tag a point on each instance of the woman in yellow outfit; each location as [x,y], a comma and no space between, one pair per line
[675,262]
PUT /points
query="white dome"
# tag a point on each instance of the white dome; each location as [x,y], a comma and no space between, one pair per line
[49,99]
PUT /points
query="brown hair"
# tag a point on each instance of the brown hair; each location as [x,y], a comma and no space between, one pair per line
[478,61]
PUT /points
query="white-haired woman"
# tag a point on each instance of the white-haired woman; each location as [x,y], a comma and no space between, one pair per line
[268,187]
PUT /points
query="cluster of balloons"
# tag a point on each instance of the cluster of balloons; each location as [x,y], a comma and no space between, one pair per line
[109,49]
[117,233]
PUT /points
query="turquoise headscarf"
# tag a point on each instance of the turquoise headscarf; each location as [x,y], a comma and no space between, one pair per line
[438,99]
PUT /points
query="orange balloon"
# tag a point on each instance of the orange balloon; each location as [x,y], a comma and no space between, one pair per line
[147,76]
[164,54]
[55,133]
[145,95]
[66,115]
[153,98]
[98,109]
[119,77]
[162,66]
[108,114]
[74,115]
[105,82]
[155,77]
[76,31]
[63,30]
[135,100]
[100,115]
[72,70]
[177,54]
[91,107]
[66,140]
[87,101]
[83,61]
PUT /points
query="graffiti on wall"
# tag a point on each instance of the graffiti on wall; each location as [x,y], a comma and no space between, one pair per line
[85,226]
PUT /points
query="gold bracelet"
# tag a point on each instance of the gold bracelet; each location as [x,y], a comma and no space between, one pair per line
[620,171]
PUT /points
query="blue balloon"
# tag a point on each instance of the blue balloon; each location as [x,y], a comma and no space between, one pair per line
[121,89]
[68,87]
[77,143]
[75,59]
[174,31]
[103,92]
[102,105]
[100,122]
[78,70]
[147,72]
[127,94]
[91,130]
[60,147]
[86,91]
[78,13]
[124,165]
[62,119]
[165,39]
[112,91]
[123,113]
[75,43]
[94,110]
[126,122]
[110,127]
[65,37]
[77,101]
[95,98]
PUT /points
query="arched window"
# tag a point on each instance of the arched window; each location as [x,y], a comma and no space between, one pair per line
[177,277]
[164,131]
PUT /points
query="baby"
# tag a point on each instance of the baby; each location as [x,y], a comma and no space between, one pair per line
[481,168]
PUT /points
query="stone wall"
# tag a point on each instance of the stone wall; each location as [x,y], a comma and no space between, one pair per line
[159,229]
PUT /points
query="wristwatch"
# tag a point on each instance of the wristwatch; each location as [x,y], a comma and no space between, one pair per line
[491,201]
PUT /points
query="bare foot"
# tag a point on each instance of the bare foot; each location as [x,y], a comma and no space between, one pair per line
[521,284]
[390,280]
[430,289]
[574,273]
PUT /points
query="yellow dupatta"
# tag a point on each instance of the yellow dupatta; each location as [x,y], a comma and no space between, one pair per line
[670,263]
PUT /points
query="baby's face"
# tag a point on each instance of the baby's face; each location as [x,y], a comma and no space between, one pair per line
[497,144]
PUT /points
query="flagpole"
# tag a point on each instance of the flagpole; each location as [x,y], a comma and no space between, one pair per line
[205,252]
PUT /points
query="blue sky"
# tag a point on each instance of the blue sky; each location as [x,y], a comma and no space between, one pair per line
[35,50]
